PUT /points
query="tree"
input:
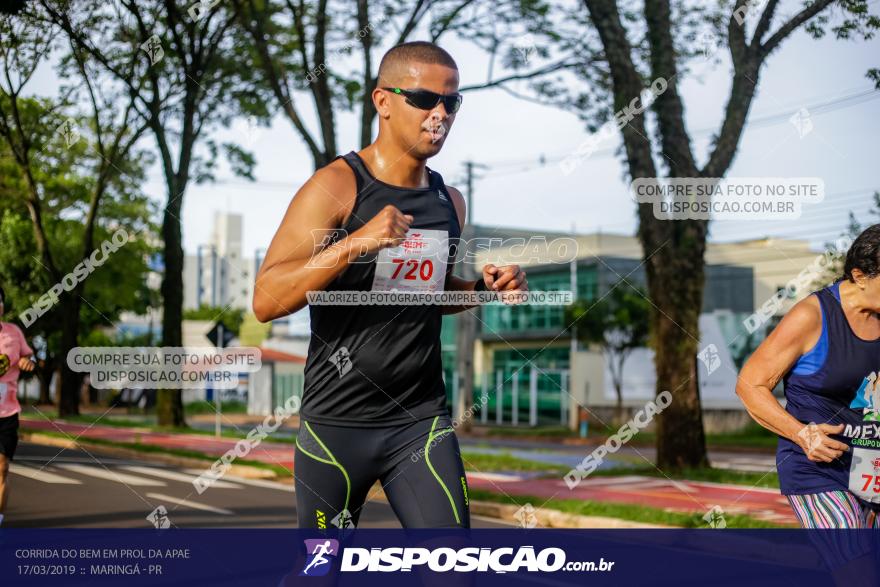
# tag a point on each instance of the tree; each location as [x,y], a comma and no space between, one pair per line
[186,71]
[65,181]
[622,48]
[306,48]
[618,324]
[44,143]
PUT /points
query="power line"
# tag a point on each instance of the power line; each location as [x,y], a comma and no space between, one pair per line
[543,161]
[769,120]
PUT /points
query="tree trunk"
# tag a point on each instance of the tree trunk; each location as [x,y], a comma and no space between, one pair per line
[45,378]
[169,404]
[68,401]
[681,442]
[618,387]
[619,417]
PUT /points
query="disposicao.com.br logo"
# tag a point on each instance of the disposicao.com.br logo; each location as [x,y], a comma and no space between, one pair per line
[444,559]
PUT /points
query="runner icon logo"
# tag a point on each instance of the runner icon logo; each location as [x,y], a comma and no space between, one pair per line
[526,516]
[342,360]
[343,520]
[710,358]
[320,552]
[159,518]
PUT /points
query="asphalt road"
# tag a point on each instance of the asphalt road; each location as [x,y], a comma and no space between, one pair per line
[52,487]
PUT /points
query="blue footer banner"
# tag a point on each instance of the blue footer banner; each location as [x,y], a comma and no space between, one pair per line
[438,557]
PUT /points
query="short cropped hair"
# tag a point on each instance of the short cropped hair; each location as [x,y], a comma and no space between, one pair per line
[414,51]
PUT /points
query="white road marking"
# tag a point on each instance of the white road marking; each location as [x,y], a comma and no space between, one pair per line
[189,504]
[44,476]
[176,476]
[255,482]
[111,475]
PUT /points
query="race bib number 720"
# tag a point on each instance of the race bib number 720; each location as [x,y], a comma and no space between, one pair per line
[418,264]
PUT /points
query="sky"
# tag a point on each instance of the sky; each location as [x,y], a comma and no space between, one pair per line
[509,135]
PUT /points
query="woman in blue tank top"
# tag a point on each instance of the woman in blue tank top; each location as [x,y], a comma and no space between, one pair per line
[826,351]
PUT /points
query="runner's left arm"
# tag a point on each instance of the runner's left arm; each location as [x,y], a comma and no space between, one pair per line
[26,360]
[504,278]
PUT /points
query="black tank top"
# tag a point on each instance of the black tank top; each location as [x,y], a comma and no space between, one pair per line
[373,365]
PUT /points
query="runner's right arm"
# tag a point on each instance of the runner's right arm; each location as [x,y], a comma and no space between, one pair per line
[298,261]
[796,334]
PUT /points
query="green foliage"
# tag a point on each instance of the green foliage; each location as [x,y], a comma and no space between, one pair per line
[230,317]
[64,160]
[618,322]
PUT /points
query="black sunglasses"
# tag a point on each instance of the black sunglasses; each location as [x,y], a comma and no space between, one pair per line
[425,100]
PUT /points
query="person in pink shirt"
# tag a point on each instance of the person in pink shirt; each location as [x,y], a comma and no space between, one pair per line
[15,356]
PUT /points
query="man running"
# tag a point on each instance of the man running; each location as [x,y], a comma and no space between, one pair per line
[826,350]
[15,356]
[374,402]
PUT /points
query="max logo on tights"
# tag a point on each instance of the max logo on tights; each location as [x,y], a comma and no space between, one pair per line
[321,551]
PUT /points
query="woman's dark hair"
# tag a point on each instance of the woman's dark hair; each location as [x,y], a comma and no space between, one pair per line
[864,254]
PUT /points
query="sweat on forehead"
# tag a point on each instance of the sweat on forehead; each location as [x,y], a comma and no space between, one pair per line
[401,61]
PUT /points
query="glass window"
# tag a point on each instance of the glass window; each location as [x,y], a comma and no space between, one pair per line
[499,319]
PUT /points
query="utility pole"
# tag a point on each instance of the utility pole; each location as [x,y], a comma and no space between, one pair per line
[467,321]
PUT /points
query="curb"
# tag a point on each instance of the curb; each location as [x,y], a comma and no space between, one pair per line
[245,471]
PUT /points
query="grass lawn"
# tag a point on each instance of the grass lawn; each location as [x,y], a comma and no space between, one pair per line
[548,431]
[635,513]
[476,461]
[751,436]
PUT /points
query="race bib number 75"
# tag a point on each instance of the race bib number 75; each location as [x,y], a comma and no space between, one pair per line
[418,264]
[864,474]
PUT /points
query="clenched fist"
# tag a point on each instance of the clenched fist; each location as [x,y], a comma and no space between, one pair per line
[385,229]
[510,280]
[817,445]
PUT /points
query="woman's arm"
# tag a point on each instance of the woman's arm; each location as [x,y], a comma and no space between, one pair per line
[26,360]
[798,332]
